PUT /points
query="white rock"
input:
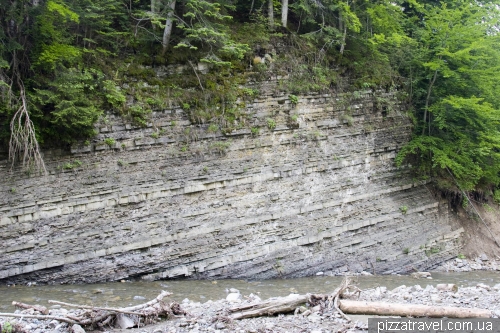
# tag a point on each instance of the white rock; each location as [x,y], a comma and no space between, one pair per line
[483,286]
[124,321]
[398,289]
[233,290]
[77,329]
[313,318]
[233,297]
[319,273]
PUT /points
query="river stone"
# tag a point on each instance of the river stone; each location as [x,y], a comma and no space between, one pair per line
[233,297]
[220,326]
[314,317]
[234,290]
[124,321]
[77,329]
[483,257]
[483,286]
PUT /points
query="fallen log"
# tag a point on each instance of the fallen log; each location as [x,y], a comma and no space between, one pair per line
[410,310]
[269,307]
[290,303]
[39,308]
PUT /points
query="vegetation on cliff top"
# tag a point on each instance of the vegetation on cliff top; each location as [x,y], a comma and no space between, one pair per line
[63,62]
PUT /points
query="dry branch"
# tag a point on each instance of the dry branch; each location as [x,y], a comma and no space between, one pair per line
[158,299]
[42,317]
[23,144]
[94,308]
[41,309]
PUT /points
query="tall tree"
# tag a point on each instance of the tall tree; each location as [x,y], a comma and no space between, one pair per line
[284,13]
[169,23]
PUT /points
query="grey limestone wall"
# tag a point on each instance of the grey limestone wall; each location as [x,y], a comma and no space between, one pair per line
[318,192]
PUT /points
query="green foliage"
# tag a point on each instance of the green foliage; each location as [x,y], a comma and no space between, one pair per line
[220,147]
[496,196]
[293,99]
[403,209]
[109,141]
[7,327]
[113,94]
[406,250]
[70,103]
[213,128]
[271,123]
[203,26]
[70,165]
[461,256]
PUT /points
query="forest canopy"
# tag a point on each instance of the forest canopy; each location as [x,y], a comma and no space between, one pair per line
[64,62]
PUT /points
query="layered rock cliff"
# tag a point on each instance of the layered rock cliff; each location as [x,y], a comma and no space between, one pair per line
[303,188]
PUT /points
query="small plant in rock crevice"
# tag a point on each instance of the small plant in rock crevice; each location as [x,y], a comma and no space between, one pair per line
[271,123]
[109,141]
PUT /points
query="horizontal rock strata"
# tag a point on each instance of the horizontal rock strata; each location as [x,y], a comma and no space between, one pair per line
[314,190]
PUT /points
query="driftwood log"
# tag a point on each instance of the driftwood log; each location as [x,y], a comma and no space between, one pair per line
[410,310]
[101,316]
[41,309]
[269,307]
[290,303]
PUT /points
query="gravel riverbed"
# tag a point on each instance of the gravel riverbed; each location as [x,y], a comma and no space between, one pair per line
[213,316]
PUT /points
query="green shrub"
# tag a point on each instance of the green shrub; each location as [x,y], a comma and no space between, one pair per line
[213,128]
[293,99]
[271,123]
[109,141]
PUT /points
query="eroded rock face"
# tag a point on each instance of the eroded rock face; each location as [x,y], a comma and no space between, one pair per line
[316,192]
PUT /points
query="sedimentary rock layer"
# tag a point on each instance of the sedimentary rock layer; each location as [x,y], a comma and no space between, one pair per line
[299,189]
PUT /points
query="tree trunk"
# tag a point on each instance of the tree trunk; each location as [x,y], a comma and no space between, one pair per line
[410,310]
[154,6]
[269,307]
[284,13]
[270,14]
[168,27]
[428,98]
